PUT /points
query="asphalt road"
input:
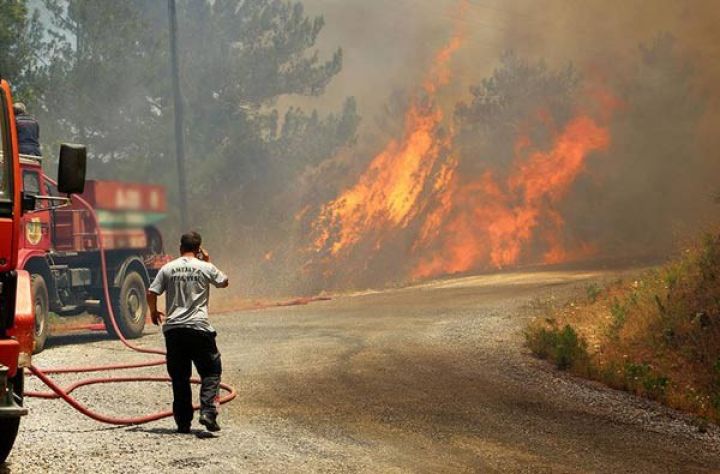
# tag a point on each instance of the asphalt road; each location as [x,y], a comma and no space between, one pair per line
[426,379]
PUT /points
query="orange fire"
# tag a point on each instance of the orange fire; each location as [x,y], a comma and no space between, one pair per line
[413,189]
[489,224]
[388,194]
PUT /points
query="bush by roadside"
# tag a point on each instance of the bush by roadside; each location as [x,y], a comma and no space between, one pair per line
[657,335]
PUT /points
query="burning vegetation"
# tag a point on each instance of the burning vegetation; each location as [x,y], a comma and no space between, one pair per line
[518,132]
[540,166]
[457,221]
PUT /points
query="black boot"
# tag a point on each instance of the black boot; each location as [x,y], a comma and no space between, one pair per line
[209,422]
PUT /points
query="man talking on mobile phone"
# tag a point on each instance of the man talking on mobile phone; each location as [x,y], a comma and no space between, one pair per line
[189,337]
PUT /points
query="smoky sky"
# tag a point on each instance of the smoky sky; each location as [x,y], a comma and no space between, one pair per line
[388,45]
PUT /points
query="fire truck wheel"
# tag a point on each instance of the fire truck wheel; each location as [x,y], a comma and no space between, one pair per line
[130,307]
[42,321]
[8,432]
[9,426]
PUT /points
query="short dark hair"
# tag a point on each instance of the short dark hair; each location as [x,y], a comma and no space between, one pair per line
[190,242]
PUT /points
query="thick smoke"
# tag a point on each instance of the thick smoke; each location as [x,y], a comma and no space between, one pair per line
[656,184]
[263,166]
[649,62]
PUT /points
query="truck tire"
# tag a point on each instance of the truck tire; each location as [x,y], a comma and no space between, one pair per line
[41,301]
[130,307]
[8,431]
[9,426]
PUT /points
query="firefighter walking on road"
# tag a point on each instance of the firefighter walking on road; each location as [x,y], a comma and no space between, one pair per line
[189,337]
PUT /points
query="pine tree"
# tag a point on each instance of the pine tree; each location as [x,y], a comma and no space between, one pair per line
[21,49]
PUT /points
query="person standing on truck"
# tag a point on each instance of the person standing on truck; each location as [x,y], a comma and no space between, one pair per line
[28,130]
[189,337]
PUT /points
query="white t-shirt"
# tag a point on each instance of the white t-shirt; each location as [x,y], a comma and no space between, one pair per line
[187,283]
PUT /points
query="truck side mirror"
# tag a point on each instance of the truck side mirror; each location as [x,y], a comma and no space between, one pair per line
[71,169]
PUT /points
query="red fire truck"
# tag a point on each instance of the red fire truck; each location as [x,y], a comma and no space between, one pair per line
[16,308]
[60,250]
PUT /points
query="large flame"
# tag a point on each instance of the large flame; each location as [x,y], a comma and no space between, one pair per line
[486,223]
[454,223]
[388,194]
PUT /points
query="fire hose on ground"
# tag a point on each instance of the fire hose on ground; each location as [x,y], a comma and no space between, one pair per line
[64,393]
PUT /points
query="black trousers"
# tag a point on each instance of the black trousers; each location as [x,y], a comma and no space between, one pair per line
[186,347]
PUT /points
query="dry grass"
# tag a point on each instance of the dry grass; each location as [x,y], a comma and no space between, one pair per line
[657,335]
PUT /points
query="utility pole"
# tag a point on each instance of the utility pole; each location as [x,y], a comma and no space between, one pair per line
[79,102]
[179,126]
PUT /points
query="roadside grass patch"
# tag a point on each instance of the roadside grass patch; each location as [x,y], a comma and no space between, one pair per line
[562,346]
[656,335]
[643,380]
[617,310]
[593,291]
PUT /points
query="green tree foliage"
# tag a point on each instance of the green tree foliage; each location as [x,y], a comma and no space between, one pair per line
[21,48]
[301,144]
[251,52]
[516,90]
[107,78]
[519,98]
[237,59]
[306,139]
[104,81]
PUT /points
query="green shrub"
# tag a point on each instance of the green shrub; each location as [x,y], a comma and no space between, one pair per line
[593,291]
[715,401]
[636,371]
[673,273]
[542,341]
[563,346]
[655,385]
[642,378]
[709,258]
[619,315]
[568,349]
